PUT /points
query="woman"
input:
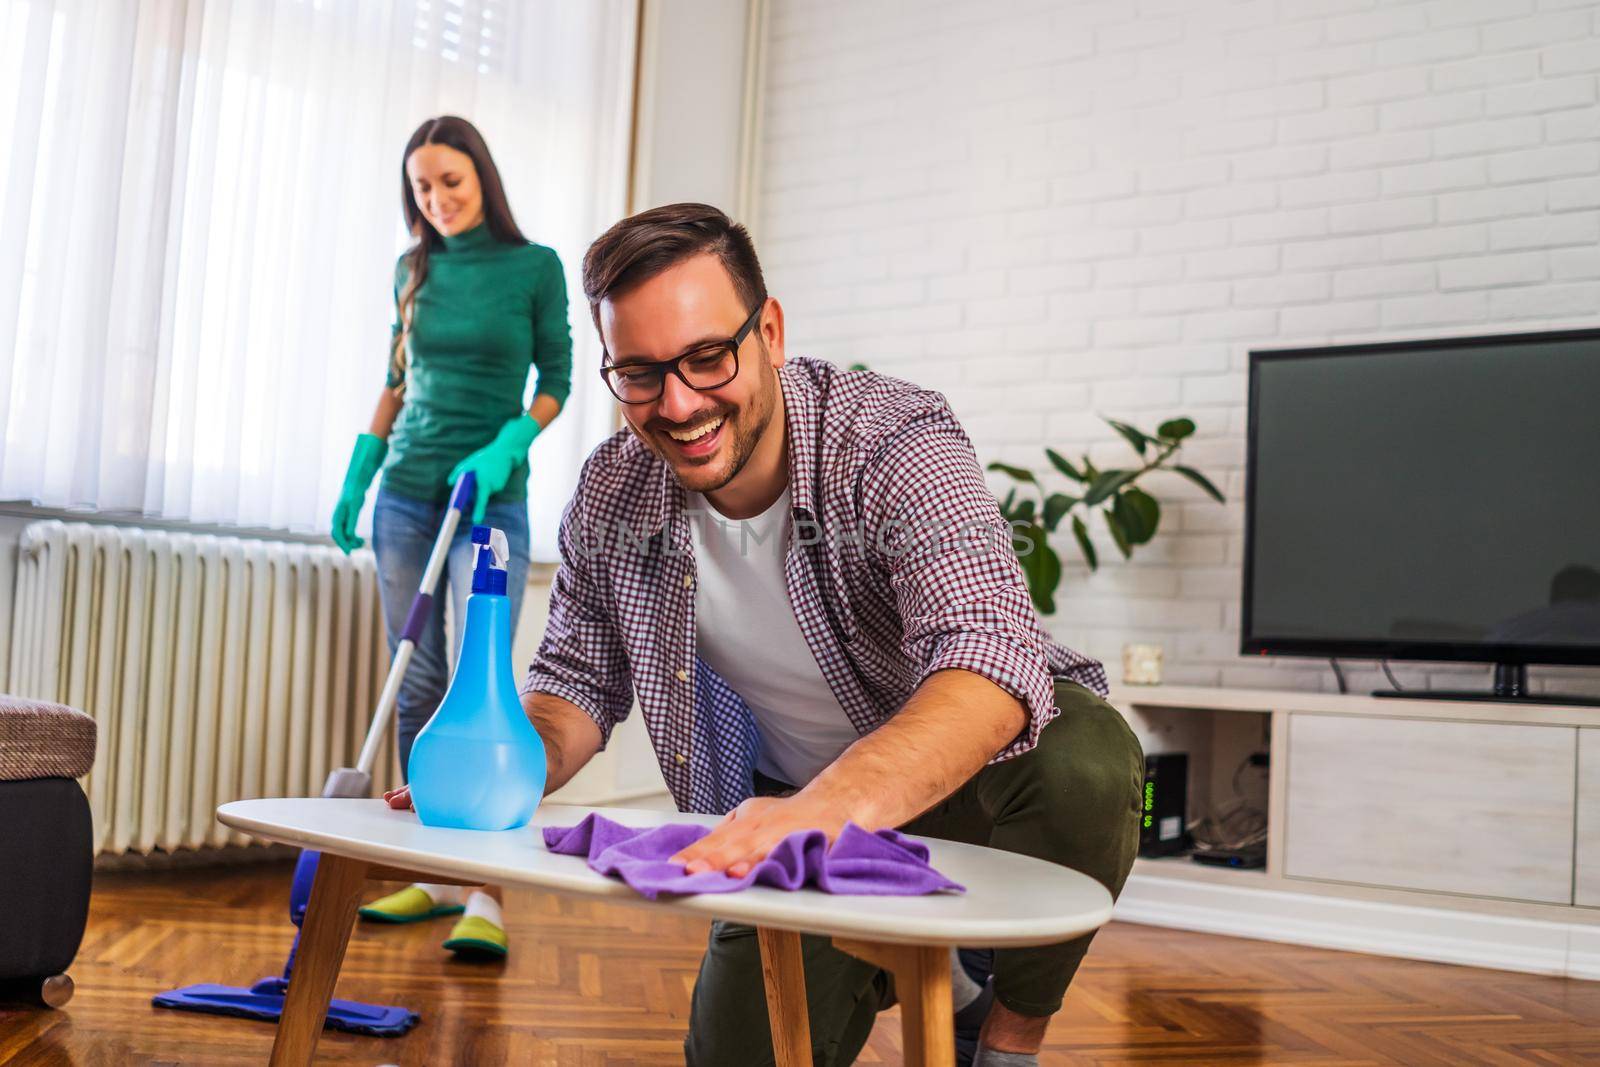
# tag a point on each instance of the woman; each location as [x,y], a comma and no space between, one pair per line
[476,303]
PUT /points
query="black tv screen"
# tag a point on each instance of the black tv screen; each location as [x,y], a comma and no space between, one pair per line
[1426,500]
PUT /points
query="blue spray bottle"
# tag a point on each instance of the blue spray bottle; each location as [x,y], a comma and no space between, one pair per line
[479,764]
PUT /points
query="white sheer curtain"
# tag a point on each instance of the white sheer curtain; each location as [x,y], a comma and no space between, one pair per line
[199,215]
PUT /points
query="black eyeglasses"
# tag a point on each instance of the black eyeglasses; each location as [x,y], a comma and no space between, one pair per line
[707,367]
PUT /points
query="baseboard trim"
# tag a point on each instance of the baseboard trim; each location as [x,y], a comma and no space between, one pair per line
[1535,946]
[184,858]
[1584,960]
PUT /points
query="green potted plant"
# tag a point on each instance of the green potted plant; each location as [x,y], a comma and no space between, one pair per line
[1130,514]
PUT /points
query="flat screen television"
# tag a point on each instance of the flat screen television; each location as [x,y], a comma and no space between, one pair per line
[1427,500]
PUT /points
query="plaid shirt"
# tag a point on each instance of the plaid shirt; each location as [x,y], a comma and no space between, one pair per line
[900,565]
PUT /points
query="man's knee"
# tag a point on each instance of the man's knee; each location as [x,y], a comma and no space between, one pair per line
[1087,755]
[1078,791]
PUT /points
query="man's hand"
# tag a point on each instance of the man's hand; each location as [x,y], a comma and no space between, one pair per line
[953,724]
[748,832]
[399,799]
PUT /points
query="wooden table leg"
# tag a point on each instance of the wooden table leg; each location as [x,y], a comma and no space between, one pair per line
[922,982]
[331,913]
[783,973]
[928,1017]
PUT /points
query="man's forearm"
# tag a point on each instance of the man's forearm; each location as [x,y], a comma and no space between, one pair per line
[947,731]
[570,737]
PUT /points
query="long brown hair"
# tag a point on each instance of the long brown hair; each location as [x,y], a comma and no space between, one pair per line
[464,137]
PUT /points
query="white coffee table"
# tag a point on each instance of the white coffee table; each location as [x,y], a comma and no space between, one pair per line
[1011,900]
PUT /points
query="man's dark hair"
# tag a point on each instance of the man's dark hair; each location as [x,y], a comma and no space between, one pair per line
[643,245]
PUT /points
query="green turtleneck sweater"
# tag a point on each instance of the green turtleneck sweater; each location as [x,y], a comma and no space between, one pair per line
[485,312]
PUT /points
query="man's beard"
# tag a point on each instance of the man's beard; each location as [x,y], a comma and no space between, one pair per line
[744,427]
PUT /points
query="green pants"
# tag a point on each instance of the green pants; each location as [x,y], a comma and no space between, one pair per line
[1073,800]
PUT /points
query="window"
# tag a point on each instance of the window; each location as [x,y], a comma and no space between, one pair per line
[199,216]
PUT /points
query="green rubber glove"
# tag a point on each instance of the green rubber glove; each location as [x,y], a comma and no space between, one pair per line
[364,463]
[494,461]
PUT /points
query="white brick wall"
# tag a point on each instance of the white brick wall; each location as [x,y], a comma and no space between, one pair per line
[1050,211]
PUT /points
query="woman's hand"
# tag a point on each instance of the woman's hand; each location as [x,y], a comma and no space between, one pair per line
[365,462]
[492,464]
[399,799]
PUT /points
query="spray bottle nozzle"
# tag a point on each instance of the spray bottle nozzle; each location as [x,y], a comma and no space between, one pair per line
[492,555]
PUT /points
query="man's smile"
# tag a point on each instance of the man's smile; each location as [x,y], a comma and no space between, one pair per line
[699,440]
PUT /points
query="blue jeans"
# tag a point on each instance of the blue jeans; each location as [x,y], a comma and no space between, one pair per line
[403,532]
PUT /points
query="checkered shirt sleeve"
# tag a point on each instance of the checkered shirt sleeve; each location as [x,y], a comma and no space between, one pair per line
[962,598]
[582,658]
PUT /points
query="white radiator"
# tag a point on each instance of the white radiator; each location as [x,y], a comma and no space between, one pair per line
[217,668]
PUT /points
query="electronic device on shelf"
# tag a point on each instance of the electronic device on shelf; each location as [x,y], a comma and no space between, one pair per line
[1163,828]
[1427,500]
[1249,857]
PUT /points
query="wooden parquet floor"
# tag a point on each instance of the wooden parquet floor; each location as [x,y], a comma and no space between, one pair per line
[591,985]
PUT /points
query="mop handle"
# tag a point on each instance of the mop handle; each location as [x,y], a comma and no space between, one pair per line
[416,619]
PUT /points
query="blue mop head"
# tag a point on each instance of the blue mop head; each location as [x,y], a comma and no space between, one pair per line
[264,1000]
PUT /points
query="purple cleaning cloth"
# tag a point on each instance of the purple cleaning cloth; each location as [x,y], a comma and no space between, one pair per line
[861,863]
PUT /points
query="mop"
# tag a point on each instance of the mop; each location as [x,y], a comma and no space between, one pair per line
[264,999]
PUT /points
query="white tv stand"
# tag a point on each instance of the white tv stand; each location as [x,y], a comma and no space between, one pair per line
[1467,832]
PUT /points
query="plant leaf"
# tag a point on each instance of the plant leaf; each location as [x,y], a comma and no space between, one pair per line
[1049,579]
[859,366]
[1061,464]
[1118,534]
[1136,438]
[1176,429]
[1018,473]
[1200,479]
[1106,484]
[1139,514]
[1119,510]
[1041,568]
[1081,532]
[1055,506]
[1024,511]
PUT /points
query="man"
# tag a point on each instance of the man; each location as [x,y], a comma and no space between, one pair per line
[803,576]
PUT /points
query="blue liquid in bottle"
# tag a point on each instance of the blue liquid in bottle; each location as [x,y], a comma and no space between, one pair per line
[479,764]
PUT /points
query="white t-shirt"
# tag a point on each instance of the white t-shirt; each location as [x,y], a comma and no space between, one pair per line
[746,631]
